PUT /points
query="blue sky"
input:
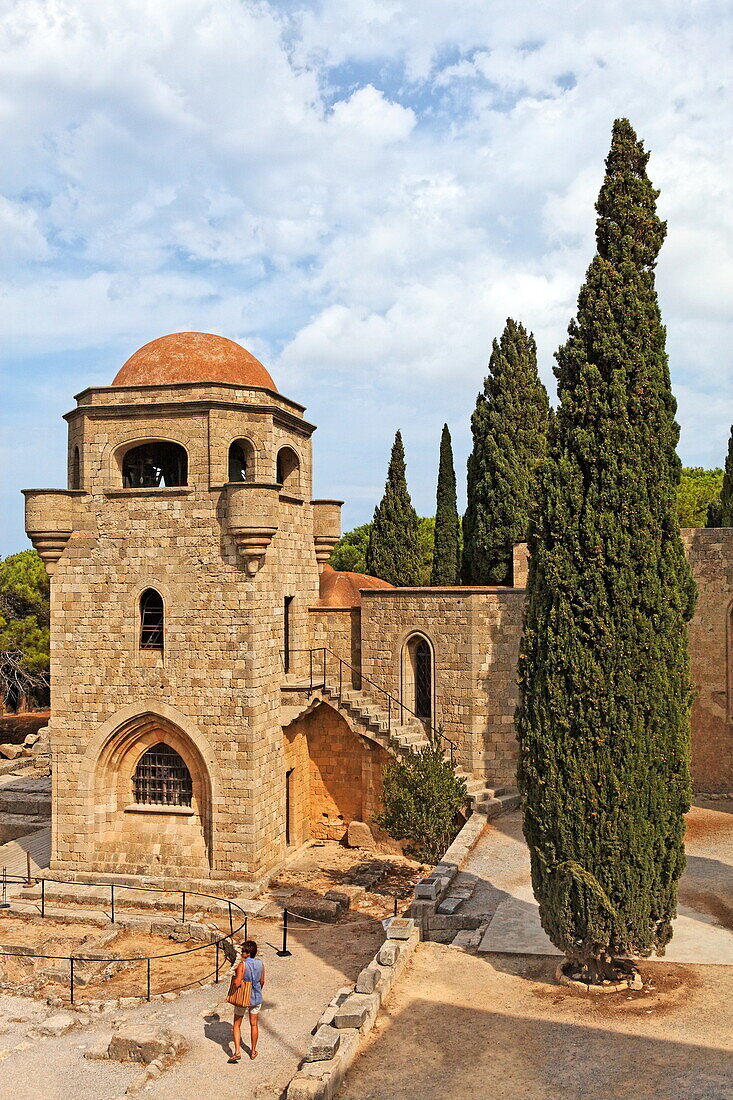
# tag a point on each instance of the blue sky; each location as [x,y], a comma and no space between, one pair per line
[359,193]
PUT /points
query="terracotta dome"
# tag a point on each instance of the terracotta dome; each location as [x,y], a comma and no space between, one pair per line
[192,357]
[342,589]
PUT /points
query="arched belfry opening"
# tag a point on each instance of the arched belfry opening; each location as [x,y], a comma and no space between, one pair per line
[287,471]
[418,676]
[160,464]
[241,461]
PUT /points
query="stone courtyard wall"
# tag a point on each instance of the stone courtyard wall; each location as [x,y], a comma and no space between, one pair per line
[474,634]
[710,552]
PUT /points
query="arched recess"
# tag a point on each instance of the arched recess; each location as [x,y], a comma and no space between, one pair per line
[417,676]
[332,776]
[287,471]
[134,837]
[241,461]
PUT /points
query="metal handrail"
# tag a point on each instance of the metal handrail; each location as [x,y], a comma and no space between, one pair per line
[342,664]
[147,959]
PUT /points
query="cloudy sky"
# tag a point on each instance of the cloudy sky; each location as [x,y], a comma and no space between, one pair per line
[359,192]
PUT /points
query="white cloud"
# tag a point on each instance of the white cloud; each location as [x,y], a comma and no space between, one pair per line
[361,192]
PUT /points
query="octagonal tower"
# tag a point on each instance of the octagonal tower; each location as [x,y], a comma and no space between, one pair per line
[184,556]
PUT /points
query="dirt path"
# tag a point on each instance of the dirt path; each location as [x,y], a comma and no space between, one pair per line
[462,1026]
[296,991]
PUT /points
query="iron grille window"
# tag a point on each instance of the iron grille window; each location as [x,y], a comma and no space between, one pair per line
[162,778]
[151,619]
[423,680]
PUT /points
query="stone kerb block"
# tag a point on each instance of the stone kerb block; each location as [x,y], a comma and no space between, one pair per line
[400,928]
[324,1044]
[388,953]
[368,979]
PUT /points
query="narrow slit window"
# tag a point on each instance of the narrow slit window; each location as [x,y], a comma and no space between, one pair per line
[162,778]
[151,620]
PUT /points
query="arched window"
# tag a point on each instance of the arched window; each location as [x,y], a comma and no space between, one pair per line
[152,465]
[241,461]
[287,472]
[151,620]
[417,676]
[76,470]
[161,778]
[423,680]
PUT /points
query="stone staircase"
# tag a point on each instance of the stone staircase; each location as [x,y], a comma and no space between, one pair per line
[400,738]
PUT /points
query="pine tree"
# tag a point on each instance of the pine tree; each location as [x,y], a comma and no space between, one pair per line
[447,537]
[724,512]
[603,722]
[509,426]
[393,552]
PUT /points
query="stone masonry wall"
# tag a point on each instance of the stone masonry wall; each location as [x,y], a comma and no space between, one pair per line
[710,553]
[337,775]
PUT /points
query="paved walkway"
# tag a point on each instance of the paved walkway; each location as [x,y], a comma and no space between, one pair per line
[499,864]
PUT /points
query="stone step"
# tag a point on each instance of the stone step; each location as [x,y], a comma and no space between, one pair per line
[500,804]
[29,803]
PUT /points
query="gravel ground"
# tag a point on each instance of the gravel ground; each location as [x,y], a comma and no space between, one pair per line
[296,991]
[459,1026]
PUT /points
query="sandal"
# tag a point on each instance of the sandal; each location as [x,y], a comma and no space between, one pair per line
[234,1058]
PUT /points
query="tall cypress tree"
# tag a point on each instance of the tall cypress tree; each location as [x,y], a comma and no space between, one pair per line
[509,426]
[447,536]
[603,722]
[393,552]
[720,512]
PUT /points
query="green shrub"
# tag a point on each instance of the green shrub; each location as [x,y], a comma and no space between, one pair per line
[421,799]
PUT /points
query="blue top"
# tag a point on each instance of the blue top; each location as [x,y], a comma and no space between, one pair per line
[253,973]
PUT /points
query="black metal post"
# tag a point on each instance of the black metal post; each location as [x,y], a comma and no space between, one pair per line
[310,654]
[245,928]
[183,906]
[341,665]
[285,954]
[389,714]
[112,900]
[231,922]
[324,666]
[148,962]
[395,905]
[216,979]
[71,980]
[4,903]
[43,897]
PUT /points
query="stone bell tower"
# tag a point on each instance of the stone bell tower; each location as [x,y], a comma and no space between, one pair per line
[183,556]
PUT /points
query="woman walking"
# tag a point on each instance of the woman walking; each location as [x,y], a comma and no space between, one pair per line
[250,970]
